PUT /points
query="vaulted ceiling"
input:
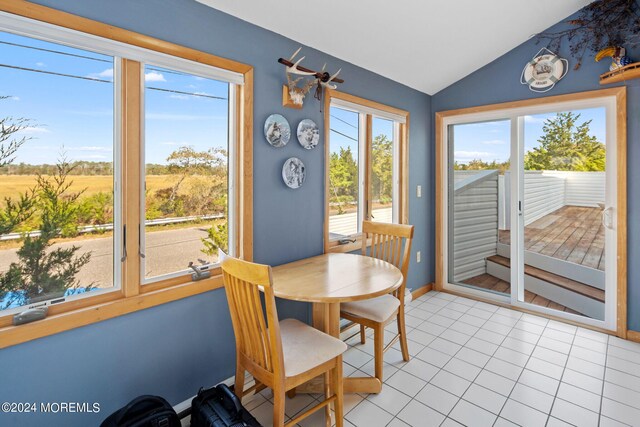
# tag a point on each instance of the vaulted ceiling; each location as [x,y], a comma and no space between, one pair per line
[424,44]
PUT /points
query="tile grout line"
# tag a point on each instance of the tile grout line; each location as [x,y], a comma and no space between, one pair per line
[517,381]
[555,397]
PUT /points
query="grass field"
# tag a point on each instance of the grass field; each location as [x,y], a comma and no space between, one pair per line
[13,185]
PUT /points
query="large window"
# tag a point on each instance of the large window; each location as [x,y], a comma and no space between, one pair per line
[186,158]
[59,209]
[366,151]
[124,161]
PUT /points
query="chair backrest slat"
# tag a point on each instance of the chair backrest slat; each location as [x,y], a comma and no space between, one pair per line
[257,336]
[387,245]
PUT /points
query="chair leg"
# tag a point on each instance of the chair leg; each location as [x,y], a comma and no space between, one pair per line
[402,330]
[291,393]
[378,344]
[363,335]
[338,390]
[278,407]
[238,385]
[327,394]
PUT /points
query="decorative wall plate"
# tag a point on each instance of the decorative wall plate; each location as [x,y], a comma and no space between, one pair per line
[277,130]
[293,172]
[308,133]
[544,71]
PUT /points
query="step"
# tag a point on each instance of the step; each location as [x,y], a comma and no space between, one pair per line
[563,282]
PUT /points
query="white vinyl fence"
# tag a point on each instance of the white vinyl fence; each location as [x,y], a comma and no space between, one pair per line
[548,191]
[481,203]
[473,223]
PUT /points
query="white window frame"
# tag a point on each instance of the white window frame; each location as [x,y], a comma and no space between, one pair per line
[516,117]
[62,36]
[188,67]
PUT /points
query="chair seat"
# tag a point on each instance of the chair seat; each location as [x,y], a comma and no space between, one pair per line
[304,347]
[378,309]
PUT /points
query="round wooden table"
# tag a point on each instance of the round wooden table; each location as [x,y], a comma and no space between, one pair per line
[326,281]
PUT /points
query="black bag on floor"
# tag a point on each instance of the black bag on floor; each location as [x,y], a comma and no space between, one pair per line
[219,407]
[144,411]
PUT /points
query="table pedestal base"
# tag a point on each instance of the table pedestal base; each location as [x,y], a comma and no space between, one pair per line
[326,317]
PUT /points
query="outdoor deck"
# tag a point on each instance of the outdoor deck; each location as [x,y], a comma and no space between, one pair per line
[572,233]
[489,282]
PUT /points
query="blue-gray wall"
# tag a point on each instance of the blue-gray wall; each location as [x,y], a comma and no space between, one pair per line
[173,349]
[499,81]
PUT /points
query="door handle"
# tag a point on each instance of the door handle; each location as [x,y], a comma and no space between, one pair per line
[607,219]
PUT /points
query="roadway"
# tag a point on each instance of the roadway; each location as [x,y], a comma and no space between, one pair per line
[166,251]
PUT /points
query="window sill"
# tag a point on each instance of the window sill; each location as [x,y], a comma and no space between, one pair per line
[12,335]
[334,247]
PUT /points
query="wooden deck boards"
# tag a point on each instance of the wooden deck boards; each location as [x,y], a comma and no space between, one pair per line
[489,282]
[572,233]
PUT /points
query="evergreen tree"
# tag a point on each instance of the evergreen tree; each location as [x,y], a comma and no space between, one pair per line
[343,178]
[42,272]
[566,146]
[382,168]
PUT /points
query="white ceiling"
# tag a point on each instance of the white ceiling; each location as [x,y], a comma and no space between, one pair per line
[424,44]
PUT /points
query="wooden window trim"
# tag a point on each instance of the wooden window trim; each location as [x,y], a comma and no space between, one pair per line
[134,296]
[620,94]
[403,170]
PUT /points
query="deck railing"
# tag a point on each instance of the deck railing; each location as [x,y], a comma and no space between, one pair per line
[481,201]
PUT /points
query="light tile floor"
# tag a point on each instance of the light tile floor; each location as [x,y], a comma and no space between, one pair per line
[477,364]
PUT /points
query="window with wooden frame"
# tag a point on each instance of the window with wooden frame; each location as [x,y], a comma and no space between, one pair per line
[125,161]
[365,167]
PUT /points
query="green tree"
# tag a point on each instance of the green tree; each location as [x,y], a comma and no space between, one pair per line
[566,145]
[207,173]
[42,272]
[343,177]
[217,238]
[10,142]
[382,168]
[480,165]
[14,212]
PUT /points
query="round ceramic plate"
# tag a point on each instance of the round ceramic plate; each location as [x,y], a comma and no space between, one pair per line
[308,134]
[293,172]
[277,130]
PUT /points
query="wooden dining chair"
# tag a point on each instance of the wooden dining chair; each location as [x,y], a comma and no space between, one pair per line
[391,243]
[278,354]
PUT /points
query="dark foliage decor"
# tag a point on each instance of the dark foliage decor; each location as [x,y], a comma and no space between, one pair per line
[600,24]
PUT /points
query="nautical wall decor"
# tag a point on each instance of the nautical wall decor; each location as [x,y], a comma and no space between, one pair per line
[544,71]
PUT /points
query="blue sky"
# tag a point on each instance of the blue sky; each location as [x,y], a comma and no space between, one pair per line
[78,113]
[490,141]
[345,126]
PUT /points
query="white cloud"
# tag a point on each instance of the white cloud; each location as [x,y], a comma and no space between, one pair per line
[95,113]
[494,142]
[180,117]
[34,129]
[173,143]
[15,98]
[89,148]
[94,157]
[470,154]
[178,96]
[105,74]
[532,119]
[41,65]
[154,76]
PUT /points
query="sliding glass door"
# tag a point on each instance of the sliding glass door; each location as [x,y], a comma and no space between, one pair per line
[531,208]
[566,168]
[479,159]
